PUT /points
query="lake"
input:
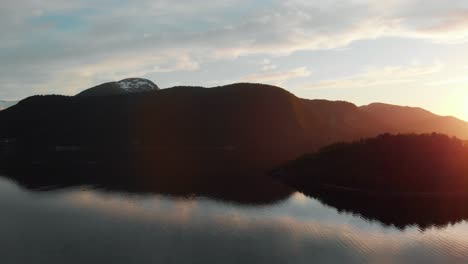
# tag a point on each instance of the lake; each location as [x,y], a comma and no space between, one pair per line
[89,225]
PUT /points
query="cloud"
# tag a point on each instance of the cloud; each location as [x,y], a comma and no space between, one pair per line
[277,77]
[41,39]
[379,77]
[267,65]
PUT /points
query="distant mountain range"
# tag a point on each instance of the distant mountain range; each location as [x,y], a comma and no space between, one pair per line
[187,134]
[6,104]
[344,119]
[406,119]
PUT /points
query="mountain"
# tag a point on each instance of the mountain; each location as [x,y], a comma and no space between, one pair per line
[265,121]
[125,86]
[213,141]
[248,118]
[404,119]
[327,122]
[6,104]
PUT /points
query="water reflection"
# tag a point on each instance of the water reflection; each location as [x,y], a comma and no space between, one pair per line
[405,210]
[90,226]
[248,186]
[225,179]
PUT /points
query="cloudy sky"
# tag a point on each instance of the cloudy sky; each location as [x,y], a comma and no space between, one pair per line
[396,51]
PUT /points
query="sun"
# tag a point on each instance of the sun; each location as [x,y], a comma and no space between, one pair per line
[460,106]
[464,111]
[454,103]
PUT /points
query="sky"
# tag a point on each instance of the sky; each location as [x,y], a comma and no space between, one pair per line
[395,51]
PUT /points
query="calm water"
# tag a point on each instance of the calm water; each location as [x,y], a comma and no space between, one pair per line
[85,225]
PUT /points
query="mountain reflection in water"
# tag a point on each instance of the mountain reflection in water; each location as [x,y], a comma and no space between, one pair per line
[423,210]
[210,174]
[84,225]
[251,187]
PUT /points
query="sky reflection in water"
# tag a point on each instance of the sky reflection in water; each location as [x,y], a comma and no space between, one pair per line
[84,225]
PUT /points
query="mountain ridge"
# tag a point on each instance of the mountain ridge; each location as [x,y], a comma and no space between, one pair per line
[213,141]
[329,120]
[406,119]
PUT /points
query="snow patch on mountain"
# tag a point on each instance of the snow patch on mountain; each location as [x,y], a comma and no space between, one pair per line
[135,85]
[125,86]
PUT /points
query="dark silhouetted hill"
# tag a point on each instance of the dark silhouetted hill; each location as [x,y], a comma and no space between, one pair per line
[387,164]
[398,180]
[184,140]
